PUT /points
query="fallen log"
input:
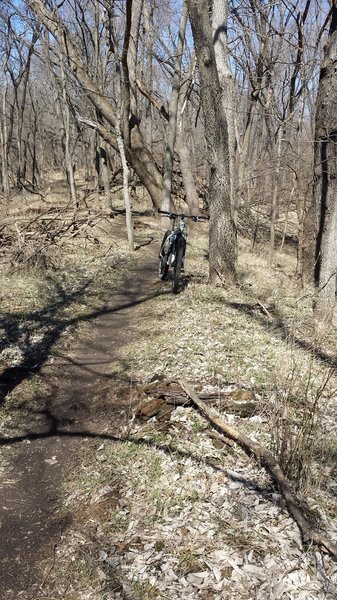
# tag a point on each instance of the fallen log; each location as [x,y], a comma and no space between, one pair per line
[151,407]
[239,402]
[265,458]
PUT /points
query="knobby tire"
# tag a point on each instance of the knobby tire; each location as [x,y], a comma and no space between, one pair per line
[177,265]
[163,260]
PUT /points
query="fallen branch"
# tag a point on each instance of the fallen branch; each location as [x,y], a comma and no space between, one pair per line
[269,462]
[265,310]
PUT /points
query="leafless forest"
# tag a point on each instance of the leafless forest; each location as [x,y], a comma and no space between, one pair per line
[159,445]
[217,105]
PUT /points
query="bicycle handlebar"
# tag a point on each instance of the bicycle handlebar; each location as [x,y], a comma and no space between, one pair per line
[173,215]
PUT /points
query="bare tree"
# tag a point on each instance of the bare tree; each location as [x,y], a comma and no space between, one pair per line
[65,109]
[136,150]
[4,128]
[219,24]
[173,109]
[222,240]
[325,183]
[183,150]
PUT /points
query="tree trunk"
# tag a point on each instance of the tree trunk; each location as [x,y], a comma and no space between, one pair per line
[66,125]
[35,170]
[274,203]
[4,135]
[325,181]
[105,172]
[184,153]
[137,9]
[173,110]
[242,156]
[126,194]
[21,108]
[148,74]
[219,23]
[222,240]
[186,166]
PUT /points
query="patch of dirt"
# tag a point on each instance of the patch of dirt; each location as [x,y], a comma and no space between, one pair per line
[31,521]
[87,394]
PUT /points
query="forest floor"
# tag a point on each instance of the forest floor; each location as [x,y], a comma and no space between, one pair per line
[98,503]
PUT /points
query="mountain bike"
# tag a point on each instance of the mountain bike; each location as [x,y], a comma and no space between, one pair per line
[173,247]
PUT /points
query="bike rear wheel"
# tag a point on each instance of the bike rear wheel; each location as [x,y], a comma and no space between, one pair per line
[177,265]
[163,257]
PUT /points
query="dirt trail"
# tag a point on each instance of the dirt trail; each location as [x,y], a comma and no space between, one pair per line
[86,393]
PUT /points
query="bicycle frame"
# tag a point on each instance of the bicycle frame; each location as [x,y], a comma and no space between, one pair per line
[178,232]
[173,247]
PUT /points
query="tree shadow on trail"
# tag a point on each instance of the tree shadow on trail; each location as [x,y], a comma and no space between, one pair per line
[277,325]
[35,333]
[55,430]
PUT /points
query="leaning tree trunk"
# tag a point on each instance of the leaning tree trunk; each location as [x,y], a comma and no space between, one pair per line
[222,236]
[325,180]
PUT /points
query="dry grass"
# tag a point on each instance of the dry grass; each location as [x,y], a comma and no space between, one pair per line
[261,335]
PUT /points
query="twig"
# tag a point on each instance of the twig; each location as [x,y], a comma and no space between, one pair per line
[50,568]
[264,309]
[214,435]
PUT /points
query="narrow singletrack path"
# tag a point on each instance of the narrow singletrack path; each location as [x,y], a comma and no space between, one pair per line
[88,391]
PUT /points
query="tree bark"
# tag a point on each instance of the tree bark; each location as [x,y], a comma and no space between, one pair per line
[274,202]
[219,23]
[136,14]
[66,125]
[186,166]
[222,240]
[148,74]
[4,133]
[325,178]
[126,194]
[184,153]
[105,172]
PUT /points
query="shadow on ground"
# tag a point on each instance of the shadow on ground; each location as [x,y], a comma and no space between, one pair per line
[277,325]
[48,324]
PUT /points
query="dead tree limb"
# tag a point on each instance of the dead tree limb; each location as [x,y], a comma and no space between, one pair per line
[151,97]
[265,458]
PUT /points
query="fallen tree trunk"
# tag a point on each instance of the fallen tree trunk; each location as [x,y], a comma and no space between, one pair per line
[265,458]
[226,403]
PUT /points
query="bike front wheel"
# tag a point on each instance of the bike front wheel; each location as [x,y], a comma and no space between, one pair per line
[177,265]
[163,258]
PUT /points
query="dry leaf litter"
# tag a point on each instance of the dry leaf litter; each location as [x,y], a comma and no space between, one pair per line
[191,521]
